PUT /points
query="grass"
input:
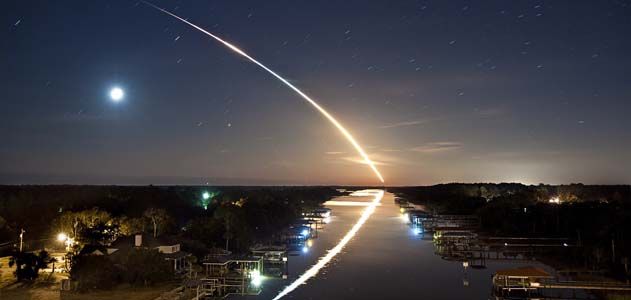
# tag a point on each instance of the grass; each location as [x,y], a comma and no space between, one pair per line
[122,292]
[47,288]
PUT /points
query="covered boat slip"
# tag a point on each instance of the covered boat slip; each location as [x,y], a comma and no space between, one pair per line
[226,276]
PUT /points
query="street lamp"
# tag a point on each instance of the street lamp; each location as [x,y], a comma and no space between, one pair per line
[22,231]
[62,237]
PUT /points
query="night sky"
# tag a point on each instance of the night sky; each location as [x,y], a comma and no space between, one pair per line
[436,91]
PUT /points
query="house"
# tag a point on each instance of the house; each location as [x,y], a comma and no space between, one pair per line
[169,248]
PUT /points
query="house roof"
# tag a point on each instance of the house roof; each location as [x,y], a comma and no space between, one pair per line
[93,250]
[179,254]
[524,272]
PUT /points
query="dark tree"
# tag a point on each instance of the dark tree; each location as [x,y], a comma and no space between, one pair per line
[93,272]
[28,264]
[146,267]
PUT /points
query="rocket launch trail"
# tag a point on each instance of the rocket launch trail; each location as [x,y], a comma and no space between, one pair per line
[325,113]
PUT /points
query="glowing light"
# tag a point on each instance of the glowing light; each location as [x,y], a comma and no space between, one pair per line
[310,243]
[326,220]
[555,200]
[62,237]
[362,193]
[324,260]
[256,278]
[305,232]
[347,203]
[206,198]
[117,94]
[305,249]
[402,210]
[325,113]
[405,217]
[417,231]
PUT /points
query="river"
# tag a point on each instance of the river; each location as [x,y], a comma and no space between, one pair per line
[384,260]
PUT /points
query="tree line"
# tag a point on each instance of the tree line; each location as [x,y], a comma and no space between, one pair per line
[198,218]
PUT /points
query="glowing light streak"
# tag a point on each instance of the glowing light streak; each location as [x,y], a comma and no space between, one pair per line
[324,260]
[348,203]
[326,114]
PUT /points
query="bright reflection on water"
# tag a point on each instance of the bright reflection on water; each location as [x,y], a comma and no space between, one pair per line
[324,260]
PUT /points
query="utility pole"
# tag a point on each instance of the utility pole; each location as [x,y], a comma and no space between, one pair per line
[22,231]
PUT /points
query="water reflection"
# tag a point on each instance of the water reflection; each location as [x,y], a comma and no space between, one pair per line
[324,260]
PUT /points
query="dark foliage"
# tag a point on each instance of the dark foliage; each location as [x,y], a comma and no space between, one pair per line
[263,210]
[145,267]
[27,264]
[94,272]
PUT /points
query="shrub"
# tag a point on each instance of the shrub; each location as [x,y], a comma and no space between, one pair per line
[146,267]
[93,272]
[27,264]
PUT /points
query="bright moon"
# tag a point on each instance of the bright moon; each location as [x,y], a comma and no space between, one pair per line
[117,94]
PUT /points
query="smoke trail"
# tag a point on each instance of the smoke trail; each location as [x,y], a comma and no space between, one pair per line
[326,114]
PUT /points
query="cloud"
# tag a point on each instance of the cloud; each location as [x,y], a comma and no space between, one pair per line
[437,147]
[334,152]
[379,159]
[404,124]
[390,150]
[359,160]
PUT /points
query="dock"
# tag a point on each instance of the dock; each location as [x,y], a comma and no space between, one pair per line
[532,281]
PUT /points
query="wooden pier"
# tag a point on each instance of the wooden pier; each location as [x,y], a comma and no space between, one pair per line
[531,281]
